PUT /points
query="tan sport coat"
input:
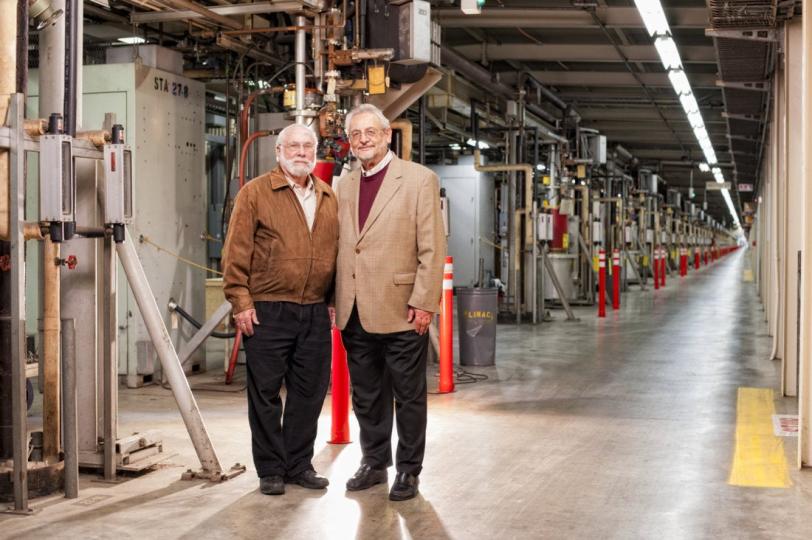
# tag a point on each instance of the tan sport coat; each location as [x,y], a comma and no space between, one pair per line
[397,260]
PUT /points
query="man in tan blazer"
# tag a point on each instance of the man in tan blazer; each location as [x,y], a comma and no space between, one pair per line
[388,283]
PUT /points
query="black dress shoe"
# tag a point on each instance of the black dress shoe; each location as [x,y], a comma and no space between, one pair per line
[272,485]
[309,479]
[404,488]
[366,477]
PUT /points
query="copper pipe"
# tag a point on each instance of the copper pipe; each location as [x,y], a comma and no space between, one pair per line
[406,129]
[35,127]
[98,137]
[246,108]
[50,351]
[244,153]
[33,231]
[274,29]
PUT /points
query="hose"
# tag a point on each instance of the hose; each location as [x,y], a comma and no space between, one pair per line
[183,313]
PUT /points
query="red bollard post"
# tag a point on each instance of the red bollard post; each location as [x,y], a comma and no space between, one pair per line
[447,329]
[655,267]
[683,262]
[340,395]
[601,283]
[697,260]
[616,279]
[663,262]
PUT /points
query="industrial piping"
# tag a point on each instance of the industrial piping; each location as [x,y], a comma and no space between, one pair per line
[527,169]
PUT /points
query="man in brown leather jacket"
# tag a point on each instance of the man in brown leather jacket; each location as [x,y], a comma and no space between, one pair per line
[279,265]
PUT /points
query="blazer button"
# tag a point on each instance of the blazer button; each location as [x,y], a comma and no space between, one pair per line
[357,251]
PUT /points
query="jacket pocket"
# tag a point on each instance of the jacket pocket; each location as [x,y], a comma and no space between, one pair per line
[403,279]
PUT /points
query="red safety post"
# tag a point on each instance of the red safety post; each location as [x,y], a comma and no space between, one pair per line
[447,329]
[655,267]
[616,279]
[663,262]
[340,394]
[601,283]
[683,262]
[697,259]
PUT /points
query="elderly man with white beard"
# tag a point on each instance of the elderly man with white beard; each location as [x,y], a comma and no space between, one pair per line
[279,266]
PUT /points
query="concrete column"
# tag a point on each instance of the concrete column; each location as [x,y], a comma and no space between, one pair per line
[805,403]
[794,203]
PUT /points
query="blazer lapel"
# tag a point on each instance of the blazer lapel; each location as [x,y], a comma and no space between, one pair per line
[355,186]
[389,186]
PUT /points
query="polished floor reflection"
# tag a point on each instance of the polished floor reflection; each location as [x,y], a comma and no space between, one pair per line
[617,428]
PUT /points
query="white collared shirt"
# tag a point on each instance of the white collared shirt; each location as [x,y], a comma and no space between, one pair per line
[307,199]
[381,164]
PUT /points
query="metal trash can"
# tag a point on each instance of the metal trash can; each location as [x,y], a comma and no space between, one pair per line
[476,312]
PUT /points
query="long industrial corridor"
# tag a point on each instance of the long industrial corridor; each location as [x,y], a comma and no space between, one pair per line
[624,427]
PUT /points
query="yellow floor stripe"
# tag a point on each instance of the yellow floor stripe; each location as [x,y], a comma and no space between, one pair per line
[759,460]
[748,275]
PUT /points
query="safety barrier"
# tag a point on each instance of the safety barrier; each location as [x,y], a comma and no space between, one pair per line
[447,329]
[616,279]
[340,398]
[601,283]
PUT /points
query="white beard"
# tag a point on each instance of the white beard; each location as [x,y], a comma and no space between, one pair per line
[296,169]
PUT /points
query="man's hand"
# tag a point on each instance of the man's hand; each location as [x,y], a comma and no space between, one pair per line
[420,318]
[245,321]
[331,311]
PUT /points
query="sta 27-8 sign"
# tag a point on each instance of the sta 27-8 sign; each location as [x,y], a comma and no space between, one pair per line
[170,87]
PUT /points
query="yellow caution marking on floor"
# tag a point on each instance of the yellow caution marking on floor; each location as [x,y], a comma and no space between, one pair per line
[759,459]
[748,275]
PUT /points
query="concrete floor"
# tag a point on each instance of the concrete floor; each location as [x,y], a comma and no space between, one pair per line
[615,428]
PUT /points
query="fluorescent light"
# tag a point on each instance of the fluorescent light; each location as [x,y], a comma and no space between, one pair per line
[653,17]
[541,166]
[679,81]
[132,40]
[669,55]
[651,11]
[689,104]
[695,119]
[455,146]
[482,144]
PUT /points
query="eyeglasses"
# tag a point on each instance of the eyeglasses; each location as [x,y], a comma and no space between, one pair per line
[369,133]
[307,147]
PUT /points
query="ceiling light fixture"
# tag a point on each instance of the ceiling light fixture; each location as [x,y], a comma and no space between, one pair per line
[132,40]
[651,11]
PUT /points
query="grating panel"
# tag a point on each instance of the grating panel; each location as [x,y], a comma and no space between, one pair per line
[743,13]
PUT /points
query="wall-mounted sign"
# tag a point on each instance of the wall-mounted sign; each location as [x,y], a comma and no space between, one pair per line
[745,187]
[711,186]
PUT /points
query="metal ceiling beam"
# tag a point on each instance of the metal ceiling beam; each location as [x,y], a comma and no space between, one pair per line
[756,86]
[613,17]
[745,117]
[271,6]
[612,78]
[641,113]
[691,54]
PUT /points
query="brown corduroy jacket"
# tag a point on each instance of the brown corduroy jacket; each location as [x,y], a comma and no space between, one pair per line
[270,254]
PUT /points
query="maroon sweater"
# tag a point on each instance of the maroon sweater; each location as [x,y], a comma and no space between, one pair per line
[366,195]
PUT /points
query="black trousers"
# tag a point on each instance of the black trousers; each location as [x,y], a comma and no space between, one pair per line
[383,367]
[291,345]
